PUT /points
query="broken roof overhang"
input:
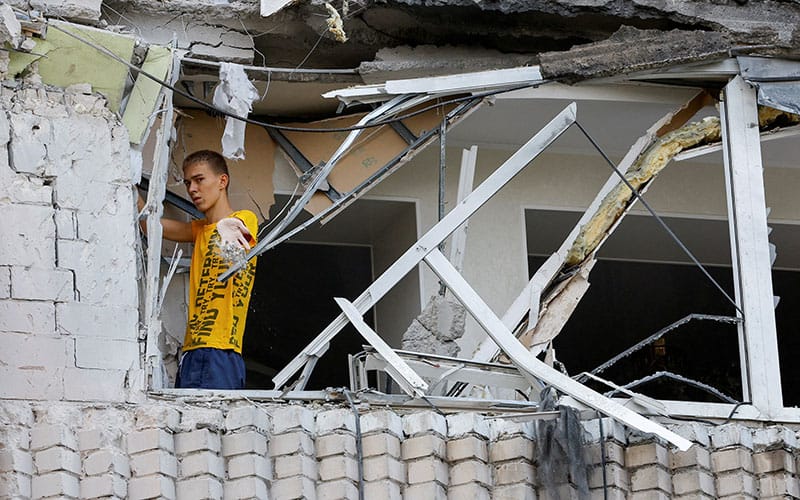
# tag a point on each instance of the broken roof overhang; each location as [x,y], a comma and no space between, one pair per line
[777,81]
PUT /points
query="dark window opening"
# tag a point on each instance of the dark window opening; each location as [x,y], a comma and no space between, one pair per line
[292,302]
[643,283]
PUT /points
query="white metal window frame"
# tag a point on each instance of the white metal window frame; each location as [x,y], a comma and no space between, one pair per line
[752,267]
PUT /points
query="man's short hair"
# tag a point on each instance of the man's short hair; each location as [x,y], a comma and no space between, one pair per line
[214,160]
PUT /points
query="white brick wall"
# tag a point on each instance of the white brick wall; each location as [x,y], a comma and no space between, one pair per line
[148,450]
[68,277]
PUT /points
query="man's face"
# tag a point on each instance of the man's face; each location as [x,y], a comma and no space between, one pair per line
[203,185]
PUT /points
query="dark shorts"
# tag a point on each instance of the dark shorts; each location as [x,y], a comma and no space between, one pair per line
[207,368]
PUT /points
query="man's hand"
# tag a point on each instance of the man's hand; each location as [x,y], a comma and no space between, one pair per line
[233,231]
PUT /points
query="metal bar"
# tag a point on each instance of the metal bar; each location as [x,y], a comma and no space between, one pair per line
[442,181]
[645,401]
[530,366]
[466,177]
[674,376]
[466,81]
[404,132]
[506,376]
[442,165]
[407,378]
[750,247]
[299,159]
[268,69]
[769,135]
[652,338]
[312,187]
[437,234]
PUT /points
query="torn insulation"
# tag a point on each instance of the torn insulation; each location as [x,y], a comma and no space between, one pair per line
[335,25]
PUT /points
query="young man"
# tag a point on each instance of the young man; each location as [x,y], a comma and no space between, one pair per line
[212,348]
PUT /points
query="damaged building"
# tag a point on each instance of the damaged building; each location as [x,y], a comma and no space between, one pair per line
[513,249]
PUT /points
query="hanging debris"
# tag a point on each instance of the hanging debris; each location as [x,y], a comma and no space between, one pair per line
[234,94]
[335,26]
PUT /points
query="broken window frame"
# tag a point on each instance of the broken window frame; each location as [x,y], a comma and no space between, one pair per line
[760,363]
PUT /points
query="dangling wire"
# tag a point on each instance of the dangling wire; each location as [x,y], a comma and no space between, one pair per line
[658,218]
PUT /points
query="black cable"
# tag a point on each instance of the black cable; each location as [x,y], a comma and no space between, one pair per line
[658,218]
[734,410]
[251,121]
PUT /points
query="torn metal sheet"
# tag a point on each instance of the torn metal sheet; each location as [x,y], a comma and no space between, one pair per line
[234,94]
[141,106]
[777,81]
[69,61]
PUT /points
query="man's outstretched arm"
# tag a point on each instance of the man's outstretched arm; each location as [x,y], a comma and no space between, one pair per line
[173,230]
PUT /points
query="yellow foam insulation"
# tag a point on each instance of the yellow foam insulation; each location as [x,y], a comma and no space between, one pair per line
[335,25]
[646,167]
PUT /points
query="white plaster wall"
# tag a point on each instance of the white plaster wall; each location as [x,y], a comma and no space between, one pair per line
[69,303]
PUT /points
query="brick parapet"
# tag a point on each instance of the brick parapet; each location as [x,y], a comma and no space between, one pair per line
[238,449]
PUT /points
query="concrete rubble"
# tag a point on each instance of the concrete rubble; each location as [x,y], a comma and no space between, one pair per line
[437,327]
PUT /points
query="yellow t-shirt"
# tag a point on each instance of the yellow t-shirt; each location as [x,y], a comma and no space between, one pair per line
[217,310]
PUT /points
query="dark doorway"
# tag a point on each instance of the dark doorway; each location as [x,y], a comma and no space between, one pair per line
[292,302]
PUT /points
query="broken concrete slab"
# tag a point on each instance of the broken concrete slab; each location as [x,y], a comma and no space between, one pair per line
[76,10]
[630,50]
[393,63]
